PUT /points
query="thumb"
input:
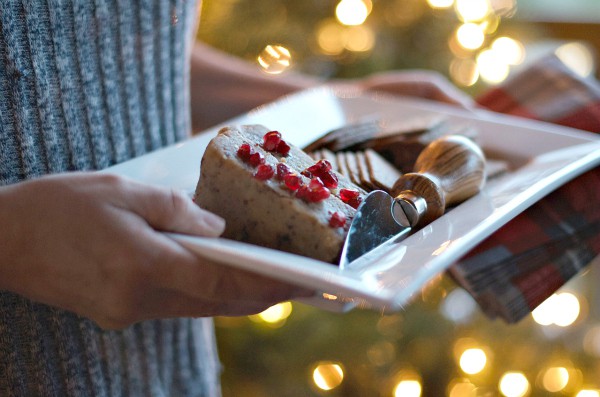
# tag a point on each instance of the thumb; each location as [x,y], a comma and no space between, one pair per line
[172,211]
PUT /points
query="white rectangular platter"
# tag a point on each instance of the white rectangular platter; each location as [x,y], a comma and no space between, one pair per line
[542,157]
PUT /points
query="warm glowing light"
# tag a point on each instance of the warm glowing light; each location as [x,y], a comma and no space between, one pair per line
[328,375]
[359,39]
[352,12]
[472,10]
[274,59]
[473,361]
[509,49]
[440,3]
[462,388]
[588,393]
[577,57]
[490,24]
[555,379]
[275,314]
[559,309]
[514,384]
[464,72]
[470,36]
[330,37]
[408,388]
[492,69]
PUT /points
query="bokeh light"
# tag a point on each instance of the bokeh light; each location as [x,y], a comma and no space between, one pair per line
[588,393]
[408,388]
[473,361]
[472,10]
[577,57]
[359,39]
[328,375]
[511,50]
[555,379]
[274,315]
[462,388]
[464,72]
[440,3]
[514,384]
[559,309]
[492,69]
[470,36]
[352,12]
[275,59]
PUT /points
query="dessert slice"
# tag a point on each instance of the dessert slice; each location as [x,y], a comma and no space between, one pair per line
[275,195]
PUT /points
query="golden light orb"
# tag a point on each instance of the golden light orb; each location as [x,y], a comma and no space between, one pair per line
[408,388]
[492,69]
[275,315]
[577,57]
[473,361]
[470,36]
[274,59]
[440,3]
[464,72]
[511,50]
[328,375]
[555,379]
[352,12]
[514,384]
[472,10]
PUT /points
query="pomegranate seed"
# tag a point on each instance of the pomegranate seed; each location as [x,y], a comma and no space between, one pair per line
[329,179]
[337,219]
[282,170]
[264,172]
[292,181]
[355,202]
[320,167]
[302,192]
[244,151]
[283,148]
[314,192]
[348,194]
[271,140]
[315,184]
[256,159]
[316,195]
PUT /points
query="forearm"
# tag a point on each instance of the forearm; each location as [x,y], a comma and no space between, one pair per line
[223,86]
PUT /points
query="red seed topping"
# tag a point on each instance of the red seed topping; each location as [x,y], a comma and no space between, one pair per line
[264,172]
[320,167]
[307,174]
[244,151]
[271,140]
[292,181]
[314,192]
[337,219]
[283,148]
[282,170]
[256,159]
[329,179]
[351,197]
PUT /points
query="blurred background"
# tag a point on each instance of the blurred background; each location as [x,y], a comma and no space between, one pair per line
[441,344]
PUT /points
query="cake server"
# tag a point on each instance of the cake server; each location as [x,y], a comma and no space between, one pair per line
[448,171]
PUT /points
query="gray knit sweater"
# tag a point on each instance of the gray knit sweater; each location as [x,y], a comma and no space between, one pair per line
[85,84]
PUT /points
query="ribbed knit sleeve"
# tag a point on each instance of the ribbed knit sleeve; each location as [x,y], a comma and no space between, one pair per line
[85,84]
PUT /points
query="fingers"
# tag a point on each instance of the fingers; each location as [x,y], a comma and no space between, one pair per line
[170,210]
[423,84]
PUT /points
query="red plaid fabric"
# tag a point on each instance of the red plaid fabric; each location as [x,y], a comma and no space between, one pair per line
[528,259]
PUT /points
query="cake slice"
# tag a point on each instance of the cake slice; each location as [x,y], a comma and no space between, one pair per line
[274,194]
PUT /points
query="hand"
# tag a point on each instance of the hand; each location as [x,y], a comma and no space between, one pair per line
[419,83]
[88,243]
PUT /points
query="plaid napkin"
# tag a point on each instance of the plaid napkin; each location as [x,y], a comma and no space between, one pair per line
[528,259]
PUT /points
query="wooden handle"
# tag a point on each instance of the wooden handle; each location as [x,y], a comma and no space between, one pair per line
[448,171]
